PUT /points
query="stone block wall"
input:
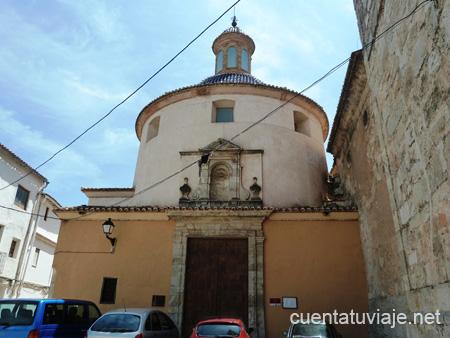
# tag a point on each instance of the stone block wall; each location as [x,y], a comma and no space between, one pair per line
[404,200]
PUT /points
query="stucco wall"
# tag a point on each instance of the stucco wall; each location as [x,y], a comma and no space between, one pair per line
[318,261]
[14,224]
[42,272]
[142,262]
[308,255]
[17,225]
[293,165]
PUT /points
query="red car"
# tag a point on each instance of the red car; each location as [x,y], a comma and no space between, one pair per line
[221,327]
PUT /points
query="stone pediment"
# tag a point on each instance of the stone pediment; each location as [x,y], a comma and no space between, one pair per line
[221,145]
[220,178]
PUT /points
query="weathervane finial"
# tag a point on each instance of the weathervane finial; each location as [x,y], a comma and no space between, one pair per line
[234,23]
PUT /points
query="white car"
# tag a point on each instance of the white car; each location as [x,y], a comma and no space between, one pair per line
[312,329]
[133,323]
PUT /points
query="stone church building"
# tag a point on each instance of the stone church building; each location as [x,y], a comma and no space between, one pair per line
[250,223]
[230,213]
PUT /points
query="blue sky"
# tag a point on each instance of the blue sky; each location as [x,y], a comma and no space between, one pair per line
[64,64]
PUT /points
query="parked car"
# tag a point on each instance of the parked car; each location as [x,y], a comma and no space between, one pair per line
[46,318]
[133,323]
[312,329]
[221,327]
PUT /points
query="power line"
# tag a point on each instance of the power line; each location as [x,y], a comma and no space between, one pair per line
[28,213]
[124,100]
[332,70]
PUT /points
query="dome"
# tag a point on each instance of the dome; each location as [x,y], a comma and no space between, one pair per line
[232,78]
[234,30]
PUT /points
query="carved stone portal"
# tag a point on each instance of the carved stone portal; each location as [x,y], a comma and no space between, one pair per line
[220,224]
[220,183]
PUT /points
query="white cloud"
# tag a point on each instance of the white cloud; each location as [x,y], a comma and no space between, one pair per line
[100,19]
[25,137]
[34,147]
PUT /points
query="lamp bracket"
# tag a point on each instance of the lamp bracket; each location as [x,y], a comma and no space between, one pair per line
[113,242]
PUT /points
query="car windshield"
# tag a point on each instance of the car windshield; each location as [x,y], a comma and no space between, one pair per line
[117,322]
[218,330]
[17,312]
[318,330]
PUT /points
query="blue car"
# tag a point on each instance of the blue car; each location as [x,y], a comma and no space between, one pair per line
[45,318]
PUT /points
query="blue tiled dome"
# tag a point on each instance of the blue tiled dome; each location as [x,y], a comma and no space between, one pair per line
[232,78]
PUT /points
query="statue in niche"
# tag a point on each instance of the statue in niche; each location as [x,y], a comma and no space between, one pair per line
[185,190]
[220,183]
[256,190]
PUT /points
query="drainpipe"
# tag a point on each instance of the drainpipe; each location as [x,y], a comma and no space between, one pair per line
[27,242]
[33,236]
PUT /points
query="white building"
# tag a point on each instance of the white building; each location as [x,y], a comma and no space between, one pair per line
[27,241]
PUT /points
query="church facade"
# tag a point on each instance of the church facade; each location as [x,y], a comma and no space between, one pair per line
[231,211]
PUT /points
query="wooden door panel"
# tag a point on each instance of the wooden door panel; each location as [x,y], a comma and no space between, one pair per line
[232,280]
[201,279]
[216,280]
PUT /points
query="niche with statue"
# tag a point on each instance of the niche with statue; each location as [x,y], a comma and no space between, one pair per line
[220,179]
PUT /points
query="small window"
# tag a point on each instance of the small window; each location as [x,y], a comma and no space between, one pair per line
[21,197]
[13,248]
[244,60]
[365,118]
[302,123]
[224,115]
[158,300]
[2,227]
[222,111]
[219,65]
[108,295]
[153,128]
[36,257]
[46,214]
[232,57]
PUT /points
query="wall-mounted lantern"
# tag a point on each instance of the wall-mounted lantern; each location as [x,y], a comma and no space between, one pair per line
[108,228]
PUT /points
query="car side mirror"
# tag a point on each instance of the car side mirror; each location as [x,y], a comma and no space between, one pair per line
[284,333]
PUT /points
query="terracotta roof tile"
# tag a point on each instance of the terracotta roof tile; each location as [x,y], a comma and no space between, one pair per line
[90,208]
[106,189]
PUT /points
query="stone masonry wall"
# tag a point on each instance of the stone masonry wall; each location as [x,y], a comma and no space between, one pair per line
[408,80]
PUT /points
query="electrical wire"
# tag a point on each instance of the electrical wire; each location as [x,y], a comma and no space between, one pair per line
[29,213]
[82,252]
[123,101]
[332,70]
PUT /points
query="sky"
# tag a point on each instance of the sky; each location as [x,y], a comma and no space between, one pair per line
[65,64]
